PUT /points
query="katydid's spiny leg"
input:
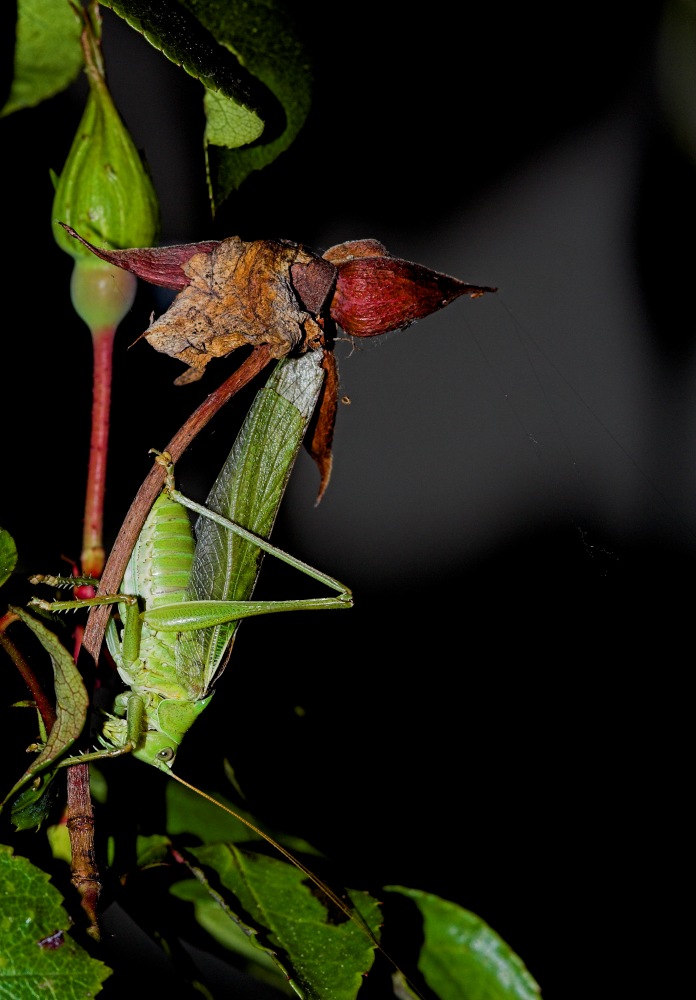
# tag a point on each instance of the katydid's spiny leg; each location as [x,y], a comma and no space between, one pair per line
[259,542]
[193,615]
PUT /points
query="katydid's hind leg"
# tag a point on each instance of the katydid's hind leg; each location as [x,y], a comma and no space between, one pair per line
[257,540]
[164,459]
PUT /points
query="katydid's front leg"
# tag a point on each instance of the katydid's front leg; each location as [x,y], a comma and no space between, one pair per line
[134,712]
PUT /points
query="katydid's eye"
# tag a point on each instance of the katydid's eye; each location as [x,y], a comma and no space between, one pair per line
[166,755]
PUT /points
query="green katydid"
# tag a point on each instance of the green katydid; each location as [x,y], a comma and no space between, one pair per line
[181,600]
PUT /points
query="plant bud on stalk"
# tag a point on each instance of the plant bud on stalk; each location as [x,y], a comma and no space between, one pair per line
[104,190]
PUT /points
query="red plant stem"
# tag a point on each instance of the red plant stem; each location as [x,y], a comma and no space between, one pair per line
[80,817]
[92,535]
[42,703]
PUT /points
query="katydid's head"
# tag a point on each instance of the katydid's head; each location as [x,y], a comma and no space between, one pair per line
[158,749]
[167,726]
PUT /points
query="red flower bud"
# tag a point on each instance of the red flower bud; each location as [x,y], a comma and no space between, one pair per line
[376,293]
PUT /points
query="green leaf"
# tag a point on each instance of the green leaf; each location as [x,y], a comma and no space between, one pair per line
[152,849]
[71,701]
[322,951]
[38,958]
[267,43]
[8,555]
[256,74]
[189,813]
[267,910]
[463,956]
[48,56]
[33,804]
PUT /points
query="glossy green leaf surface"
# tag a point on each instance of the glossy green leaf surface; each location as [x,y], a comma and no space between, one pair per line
[231,933]
[33,804]
[322,951]
[265,38]
[189,813]
[463,957]
[38,958]
[247,54]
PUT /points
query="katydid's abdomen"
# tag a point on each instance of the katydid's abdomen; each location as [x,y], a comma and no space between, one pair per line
[160,565]
[158,572]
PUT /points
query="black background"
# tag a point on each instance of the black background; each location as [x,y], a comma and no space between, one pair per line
[499,720]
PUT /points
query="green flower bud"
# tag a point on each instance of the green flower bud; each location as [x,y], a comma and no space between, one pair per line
[104,191]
